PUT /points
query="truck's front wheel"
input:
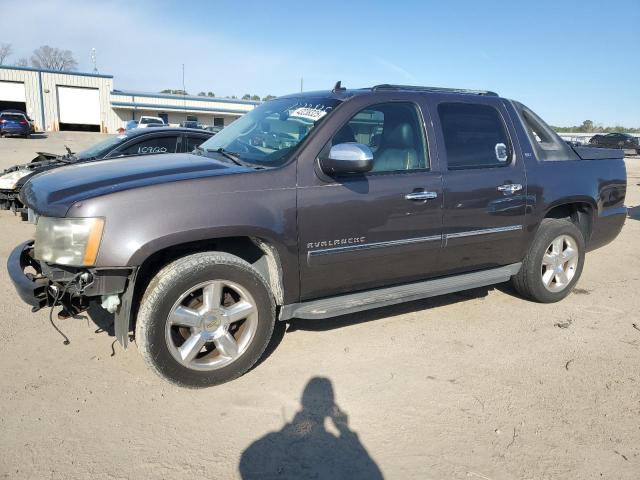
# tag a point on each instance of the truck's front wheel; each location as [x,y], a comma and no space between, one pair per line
[205,319]
[554,262]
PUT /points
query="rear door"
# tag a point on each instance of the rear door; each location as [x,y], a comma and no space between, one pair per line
[484,183]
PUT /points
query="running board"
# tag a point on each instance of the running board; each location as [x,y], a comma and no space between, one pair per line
[356,302]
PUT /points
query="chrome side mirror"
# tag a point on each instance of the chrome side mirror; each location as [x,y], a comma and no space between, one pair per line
[347,158]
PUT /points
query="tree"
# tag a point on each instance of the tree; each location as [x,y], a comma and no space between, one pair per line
[211,94]
[174,92]
[587,126]
[22,62]
[52,58]
[5,51]
[255,97]
[268,97]
[202,94]
[246,96]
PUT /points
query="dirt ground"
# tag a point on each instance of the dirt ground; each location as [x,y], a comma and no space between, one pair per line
[475,385]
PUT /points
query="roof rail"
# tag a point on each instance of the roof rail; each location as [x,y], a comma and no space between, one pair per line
[386,86]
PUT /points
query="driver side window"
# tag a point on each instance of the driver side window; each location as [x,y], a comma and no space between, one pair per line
[394,133]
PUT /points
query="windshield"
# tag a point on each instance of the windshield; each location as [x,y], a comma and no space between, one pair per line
[269,134]
[100,149]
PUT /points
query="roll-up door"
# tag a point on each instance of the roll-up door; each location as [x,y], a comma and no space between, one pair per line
[78,106]
[12,96]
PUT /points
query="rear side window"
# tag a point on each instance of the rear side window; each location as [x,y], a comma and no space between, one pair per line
[474,136]
[151,146]
[547,144]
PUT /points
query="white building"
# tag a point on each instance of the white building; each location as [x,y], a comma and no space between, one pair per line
[87,101]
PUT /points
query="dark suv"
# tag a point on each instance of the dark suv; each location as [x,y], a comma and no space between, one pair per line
[360,199]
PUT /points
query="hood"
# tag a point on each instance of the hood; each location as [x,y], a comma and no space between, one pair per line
[52,193]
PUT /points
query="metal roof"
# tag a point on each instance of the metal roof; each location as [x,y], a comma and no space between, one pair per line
[59,72]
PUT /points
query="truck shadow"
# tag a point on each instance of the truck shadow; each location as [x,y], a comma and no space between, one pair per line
[104,320]
[390,311]
[342,321]
[634,212]
[304,448]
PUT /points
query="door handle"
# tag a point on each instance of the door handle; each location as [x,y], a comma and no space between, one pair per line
[509,188]
[420,196]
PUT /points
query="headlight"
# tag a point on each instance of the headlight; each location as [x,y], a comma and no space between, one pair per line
[8,180]
[68,241]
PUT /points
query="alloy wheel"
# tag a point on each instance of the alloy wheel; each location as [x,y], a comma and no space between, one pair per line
[559,263]
[211,325]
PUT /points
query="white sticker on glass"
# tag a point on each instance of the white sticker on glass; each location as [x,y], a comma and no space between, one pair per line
[312,114]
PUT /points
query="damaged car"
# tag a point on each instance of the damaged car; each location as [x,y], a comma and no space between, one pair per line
[132,142]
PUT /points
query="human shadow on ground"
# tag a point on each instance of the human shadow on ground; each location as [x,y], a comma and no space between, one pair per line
[304,448]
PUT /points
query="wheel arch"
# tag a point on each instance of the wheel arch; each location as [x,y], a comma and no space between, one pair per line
[261,253]
[581,212]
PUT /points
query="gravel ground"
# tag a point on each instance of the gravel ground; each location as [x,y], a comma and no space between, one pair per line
[475,385]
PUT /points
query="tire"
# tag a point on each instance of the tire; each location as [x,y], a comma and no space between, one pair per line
[180,291]
[541,262]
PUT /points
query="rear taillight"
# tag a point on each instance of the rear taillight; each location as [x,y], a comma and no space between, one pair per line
[3,121]
[22,122]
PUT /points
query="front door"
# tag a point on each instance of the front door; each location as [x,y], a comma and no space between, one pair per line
[485,192]
[365,231]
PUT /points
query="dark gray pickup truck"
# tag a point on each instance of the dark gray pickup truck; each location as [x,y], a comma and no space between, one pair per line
[315,205]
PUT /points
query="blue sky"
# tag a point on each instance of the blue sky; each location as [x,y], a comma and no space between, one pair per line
[568,60]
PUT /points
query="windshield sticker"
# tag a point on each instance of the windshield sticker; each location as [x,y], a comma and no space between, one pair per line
[313,114]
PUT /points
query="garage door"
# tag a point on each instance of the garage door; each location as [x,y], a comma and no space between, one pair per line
[12,96]
[79,106]
[12,92]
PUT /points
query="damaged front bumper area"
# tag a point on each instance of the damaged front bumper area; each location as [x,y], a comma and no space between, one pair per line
[10,200]
[42,285]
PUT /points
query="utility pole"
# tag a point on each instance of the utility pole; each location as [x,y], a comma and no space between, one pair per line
[94,60]
[301,84]
[184,95]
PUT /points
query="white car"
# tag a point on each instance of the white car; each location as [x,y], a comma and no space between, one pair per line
[147,121]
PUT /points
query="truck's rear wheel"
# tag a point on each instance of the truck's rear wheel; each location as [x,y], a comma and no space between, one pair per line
[554,262]
[205,319]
